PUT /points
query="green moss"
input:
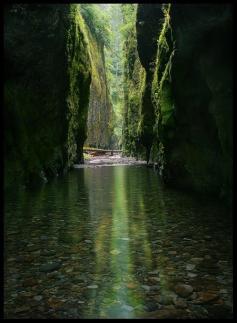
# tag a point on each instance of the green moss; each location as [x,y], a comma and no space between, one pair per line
[46,90]
[134,87]
[99,127]
[162,95]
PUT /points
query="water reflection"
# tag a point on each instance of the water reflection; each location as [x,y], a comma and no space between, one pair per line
[119,243]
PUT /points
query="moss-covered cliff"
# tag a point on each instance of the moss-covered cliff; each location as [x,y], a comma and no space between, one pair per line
[100,108]
[186,107]
[134,81]
[46,92]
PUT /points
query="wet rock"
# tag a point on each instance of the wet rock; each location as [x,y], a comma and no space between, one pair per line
[48,253]
[44,237]
[115,252]
[191,275]
[151,307]
[32,248]
[152,278]
[50,267]
[223,291]
[23,308]
[165,299]
[154,288]
[183,290]
[55,302]
[20,258]
[192,296]
[167,314]
[81,302]
[222,263]
[69,270]
[206,297]
[154,272]
[29,282]
[198,312]
[190,267]
[197,260]
[52,274]
[180,303]
[92,286]
[127,308]
[131,285]
[38,298]
[146,288]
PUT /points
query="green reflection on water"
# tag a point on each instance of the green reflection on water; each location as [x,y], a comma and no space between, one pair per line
[111,227]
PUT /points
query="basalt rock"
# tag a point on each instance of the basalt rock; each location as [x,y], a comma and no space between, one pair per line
[46,90]
[185,109]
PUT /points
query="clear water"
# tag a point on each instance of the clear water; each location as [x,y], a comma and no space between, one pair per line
[120,243]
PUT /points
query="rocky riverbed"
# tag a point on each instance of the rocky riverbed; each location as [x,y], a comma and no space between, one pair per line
[111,242]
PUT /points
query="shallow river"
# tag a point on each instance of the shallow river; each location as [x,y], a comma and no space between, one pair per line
[112,242]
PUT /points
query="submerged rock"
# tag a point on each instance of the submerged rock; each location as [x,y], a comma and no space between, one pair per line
[50,267]
[183,290]
[92,286]
[206,297]
[190,267]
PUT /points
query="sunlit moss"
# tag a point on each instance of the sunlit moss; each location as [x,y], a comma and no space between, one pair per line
[79,70]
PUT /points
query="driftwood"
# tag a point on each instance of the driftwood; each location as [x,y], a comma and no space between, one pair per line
[99,151]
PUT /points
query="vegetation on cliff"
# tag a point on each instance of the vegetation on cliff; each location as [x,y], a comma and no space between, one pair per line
[46,90]
[153,79]
[186,101]
[99,122]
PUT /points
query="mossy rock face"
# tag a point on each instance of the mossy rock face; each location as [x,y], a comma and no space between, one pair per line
[202,91]
[147,29]
[79,79]
[41,74]
[186,101]
[99,123]
[133,93]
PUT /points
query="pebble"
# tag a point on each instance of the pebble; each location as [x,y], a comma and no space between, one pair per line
[29,282]
[172,253]
[223,291]
[127,308]
[191,275]
[154,272]
[23,308]
[165,299]
[183,290]
[146,287]
[38,298]
[50,267]
[155,278]
[92,286]
[190,267]
[180,303]
[115,252]
[197,260]
[206,297]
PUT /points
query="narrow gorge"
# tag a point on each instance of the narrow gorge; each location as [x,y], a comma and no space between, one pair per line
[118,160]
